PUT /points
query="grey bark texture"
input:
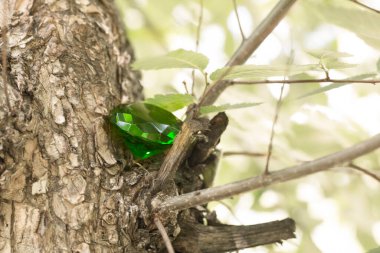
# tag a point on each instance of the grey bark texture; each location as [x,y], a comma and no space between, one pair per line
[64,186]
[60,185]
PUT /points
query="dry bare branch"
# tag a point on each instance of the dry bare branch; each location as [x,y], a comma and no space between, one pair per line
[220,192]
[365,6]
[321,80]
[245,153]
[248,47]
[227,238]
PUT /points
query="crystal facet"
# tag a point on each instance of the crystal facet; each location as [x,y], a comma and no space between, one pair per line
[146,129]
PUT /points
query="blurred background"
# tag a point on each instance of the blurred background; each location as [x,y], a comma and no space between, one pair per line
[335,211]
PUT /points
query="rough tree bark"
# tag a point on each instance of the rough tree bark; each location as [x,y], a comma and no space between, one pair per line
[61,187]
[63,184]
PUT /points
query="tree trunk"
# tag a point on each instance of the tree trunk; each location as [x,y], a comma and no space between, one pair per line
[61,188]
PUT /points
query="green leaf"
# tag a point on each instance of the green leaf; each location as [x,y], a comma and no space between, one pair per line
[336,85]
[259,72]
[334,64]
[328,54]
[364,23]
[225,107]
[376,250]
[330,59]
[175,59]
[171,102]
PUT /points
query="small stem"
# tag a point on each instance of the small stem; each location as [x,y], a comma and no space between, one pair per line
[206,82]
[277,112]
[327,74]
[198,36]
[200,20]
[238,20]
[164,235]
[272,132]
[185,85]
[367,172]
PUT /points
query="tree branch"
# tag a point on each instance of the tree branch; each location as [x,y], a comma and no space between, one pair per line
[320,80]
[246,153]
[248,47]
[177,153]
[365,6]
[217,193]
[224,238]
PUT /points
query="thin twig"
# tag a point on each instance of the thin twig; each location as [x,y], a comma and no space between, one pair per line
[238,20]
[275,118]
[205,76]
[220,192]
[319,80]
[200,20]
[365,6]
[245,153]
[185,86]
[367,172]
[324,69]
[164,235]
[4,52]
[248,47]
[197,39]
[272,132]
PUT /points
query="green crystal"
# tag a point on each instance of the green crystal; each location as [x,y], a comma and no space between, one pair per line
[145,129]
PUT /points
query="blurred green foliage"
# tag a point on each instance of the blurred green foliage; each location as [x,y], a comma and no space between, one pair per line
[335,211]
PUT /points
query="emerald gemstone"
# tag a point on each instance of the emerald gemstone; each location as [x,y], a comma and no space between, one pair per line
[145,129]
